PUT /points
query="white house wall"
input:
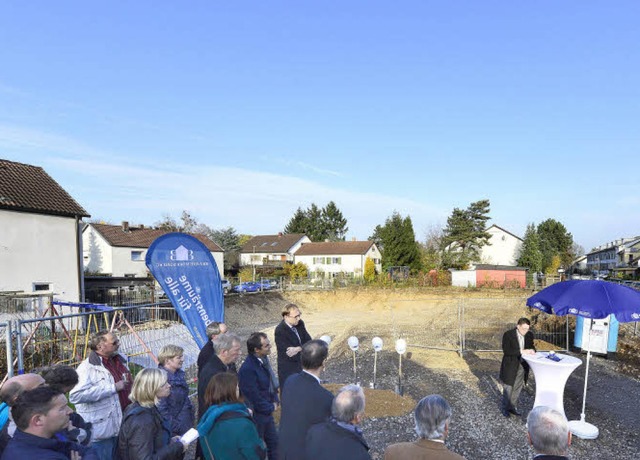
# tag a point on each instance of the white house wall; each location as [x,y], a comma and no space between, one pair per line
[36,248]
[503,249]
[349,263]
[97,253]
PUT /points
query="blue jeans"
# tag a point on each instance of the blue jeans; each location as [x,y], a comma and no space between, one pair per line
[105,449]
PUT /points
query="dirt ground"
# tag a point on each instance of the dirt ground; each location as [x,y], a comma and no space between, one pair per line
[428,318]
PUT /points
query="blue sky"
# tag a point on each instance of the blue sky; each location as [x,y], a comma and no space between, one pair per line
[242,111]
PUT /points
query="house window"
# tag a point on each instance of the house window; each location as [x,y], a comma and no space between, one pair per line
[41,286]
[136,255]
[129,275]
[255,258]
[318,260]
[376,261]
[336,260]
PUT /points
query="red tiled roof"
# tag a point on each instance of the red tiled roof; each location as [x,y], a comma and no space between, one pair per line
[29,188]
[280,243]
[334,248]
[137,237]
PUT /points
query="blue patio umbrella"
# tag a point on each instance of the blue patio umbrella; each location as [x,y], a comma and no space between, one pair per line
[593,299]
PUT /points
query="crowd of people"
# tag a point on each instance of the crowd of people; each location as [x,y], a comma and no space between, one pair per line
[151,416]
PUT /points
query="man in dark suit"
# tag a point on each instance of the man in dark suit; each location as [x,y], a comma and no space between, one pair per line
[548,433]
[340,437]
[304,401]
[259,386]
[227,351]
[290,335]
[515,343]
[214,329]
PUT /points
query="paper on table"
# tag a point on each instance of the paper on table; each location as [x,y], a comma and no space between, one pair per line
[190,436]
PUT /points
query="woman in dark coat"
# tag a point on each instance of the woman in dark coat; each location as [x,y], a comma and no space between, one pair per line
[144,434]
[175,408]
[227,431]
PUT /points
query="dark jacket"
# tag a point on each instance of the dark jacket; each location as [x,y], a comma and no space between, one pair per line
[214,366]
[285,338]
[330,440]
[231,439]
[304,403]
[512,358]
[255,386]
[27,446]
[177,408]
[145,435]
[206,352]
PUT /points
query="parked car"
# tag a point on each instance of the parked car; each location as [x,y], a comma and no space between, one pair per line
[247,286]
[265,285]
[226,286]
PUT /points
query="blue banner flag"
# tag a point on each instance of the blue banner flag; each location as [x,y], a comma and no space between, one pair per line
[187,272]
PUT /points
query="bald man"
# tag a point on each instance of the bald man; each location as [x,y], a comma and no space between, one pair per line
[9,393]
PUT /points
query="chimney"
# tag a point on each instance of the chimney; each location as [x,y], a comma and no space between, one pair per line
[141,226]
[125,226]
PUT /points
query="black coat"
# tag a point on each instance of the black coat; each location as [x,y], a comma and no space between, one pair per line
[214,366]
[145,435]
[285,338]
[206,352]
[304,403]
[330,440]
[512,357]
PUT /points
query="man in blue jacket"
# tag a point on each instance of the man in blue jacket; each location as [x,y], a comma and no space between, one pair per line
[259,386]
[39,414]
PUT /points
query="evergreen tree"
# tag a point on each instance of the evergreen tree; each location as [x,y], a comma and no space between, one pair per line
[397,243]
[465,234]
[298,223]
[555,240]
[335,225]
[319,224]
[530,254]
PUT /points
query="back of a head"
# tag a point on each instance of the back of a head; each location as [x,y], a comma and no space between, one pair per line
[348,403]
[548,431]
[17,385]
[432,415]
[222,387]
[60,377]
[314,354]
[213,329]
[32,402]
[225,342]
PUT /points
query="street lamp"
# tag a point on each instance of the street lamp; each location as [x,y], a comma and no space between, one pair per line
[401,348]
[376,342]
[253,263]
[354,344]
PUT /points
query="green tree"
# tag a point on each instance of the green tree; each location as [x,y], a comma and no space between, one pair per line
[465,234]
[530,254]
[296,271]
[555,240]
[335,225]
[430,249]
[369,270]
[187,224]
[396,241]
[319,224]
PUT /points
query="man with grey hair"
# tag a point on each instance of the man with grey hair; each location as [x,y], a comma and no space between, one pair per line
[9,393]
[548,433]
[432,415]
[214,329]
[227,351]
[340,437]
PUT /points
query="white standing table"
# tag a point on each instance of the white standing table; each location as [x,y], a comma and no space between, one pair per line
[551,377]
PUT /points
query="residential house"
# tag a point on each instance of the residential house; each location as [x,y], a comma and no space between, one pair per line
[618,254]
[330,258]
[40,242]
[120,250]
[503,248]
[271,250]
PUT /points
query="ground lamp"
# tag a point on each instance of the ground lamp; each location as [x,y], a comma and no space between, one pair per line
[326,339]
[354,344]
[377,346]
[401,348]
